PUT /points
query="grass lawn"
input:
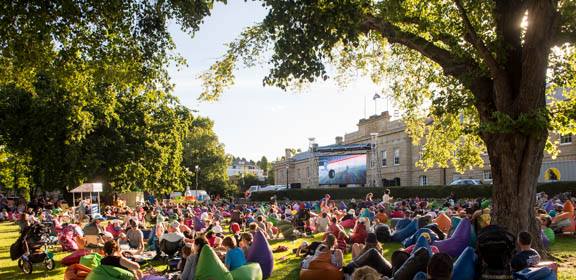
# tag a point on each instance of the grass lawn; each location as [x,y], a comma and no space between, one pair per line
[286,264]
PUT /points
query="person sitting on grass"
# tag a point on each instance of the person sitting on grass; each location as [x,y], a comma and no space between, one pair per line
[327,247]
[322,223]
[526,256]
[359,234]
[234,255]
[189,270]
[439,268]
[245,243]
[545,222]
[370,242]
[114,258]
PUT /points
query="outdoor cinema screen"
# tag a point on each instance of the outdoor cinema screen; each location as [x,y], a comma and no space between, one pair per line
[342,169]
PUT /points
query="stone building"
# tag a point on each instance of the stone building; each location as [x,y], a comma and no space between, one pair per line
[391,159]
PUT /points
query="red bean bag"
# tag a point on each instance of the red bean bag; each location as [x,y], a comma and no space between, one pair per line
[74,258]
[76,272]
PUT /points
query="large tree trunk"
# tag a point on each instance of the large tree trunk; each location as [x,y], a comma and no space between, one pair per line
[515,161]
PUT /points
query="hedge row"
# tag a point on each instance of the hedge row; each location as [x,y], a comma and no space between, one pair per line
[472,191]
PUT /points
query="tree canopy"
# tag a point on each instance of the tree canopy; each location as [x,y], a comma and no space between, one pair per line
[482,71]
[85,94]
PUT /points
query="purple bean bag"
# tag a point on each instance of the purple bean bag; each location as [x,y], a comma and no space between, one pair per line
[549,206]
[260,253]
[342,205]
[154,277]
[455,245]
[198,224]
[465,265]
[405,232]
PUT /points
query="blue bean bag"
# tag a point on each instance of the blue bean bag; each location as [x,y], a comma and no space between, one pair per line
[198,224]
[535,273]
[399,223]
[422,243]
[414,237]
[405,232]
[455,245]
[260,253]
[464,266]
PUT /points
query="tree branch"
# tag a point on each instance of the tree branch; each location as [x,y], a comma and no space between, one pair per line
[464,69]
[477,41]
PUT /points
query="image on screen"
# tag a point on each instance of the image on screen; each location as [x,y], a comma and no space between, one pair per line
[342,169]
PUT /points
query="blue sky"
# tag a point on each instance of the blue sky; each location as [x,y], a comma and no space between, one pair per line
[250,119]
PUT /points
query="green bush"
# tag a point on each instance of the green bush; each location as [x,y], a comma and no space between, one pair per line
[472,191]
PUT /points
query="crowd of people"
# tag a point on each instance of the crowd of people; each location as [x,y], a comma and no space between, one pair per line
[178,232]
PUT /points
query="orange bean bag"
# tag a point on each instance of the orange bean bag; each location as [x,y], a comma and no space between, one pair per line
[321,268]
[76,272]
[567,213]
[444,222]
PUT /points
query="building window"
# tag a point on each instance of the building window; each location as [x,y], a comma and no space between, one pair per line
[423,180]
[396,156]
[384,158]
[566,139]
[487,175]
[372,163]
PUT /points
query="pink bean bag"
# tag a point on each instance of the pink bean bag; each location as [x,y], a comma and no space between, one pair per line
[74,258]
[348,224]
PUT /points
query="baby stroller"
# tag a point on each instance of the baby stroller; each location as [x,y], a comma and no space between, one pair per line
[32,248]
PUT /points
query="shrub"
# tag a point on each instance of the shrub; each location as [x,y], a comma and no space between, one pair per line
[471,191]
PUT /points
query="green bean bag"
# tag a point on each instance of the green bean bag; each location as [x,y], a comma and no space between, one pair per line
[210,266]
[250,271]
[107,272]
[92,260]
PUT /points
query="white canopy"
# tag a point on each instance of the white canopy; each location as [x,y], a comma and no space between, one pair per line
[88,187]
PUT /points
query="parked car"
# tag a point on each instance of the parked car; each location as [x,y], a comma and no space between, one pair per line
[461,182]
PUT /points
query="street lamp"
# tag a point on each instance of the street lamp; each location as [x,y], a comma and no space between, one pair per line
[197,168]
[287,167]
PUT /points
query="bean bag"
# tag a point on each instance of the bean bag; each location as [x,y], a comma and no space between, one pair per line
[91,260]
[321,268]
[234,228]
[399,257]
[373,259]
[260,253]
[400,235]
[464,266]
[535,273]
[250,271]
[414,264]
[342,205]
[422,243]
[154,277]
[567,213]
[455,222]
[434,227]
[443,222]
[76,272]
[198,224]
[399,223]
[454,245]
[383,233]
[107,272]
[414,237]
[209,266]
[74,257]
[549,206]
[348,224]
[421,276]
[410,249]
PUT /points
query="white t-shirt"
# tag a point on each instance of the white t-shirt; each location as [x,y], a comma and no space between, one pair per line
[204,216]
[172,236]
[217,229]
[386,198]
